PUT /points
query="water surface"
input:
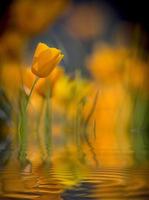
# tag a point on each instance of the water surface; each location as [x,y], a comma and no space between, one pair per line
[73,182]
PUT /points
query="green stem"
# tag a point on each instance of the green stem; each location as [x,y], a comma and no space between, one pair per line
[30,94]
[38,120]
[48,126]
[92,108]
[78,131]
[22,129]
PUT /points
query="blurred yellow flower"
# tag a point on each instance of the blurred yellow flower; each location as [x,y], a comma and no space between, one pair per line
[63,91]
[31,18]
[28,78]
[45,60]
[135,70]
[70,94]
[107,63]
[12,46]
[71,91]
[119,64]
[45,86]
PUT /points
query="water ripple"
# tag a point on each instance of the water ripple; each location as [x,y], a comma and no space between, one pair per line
[96,184]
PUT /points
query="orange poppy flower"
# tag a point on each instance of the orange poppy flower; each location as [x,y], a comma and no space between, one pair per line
[45,60]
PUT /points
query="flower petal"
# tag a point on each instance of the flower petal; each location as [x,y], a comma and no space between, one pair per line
[40,48]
